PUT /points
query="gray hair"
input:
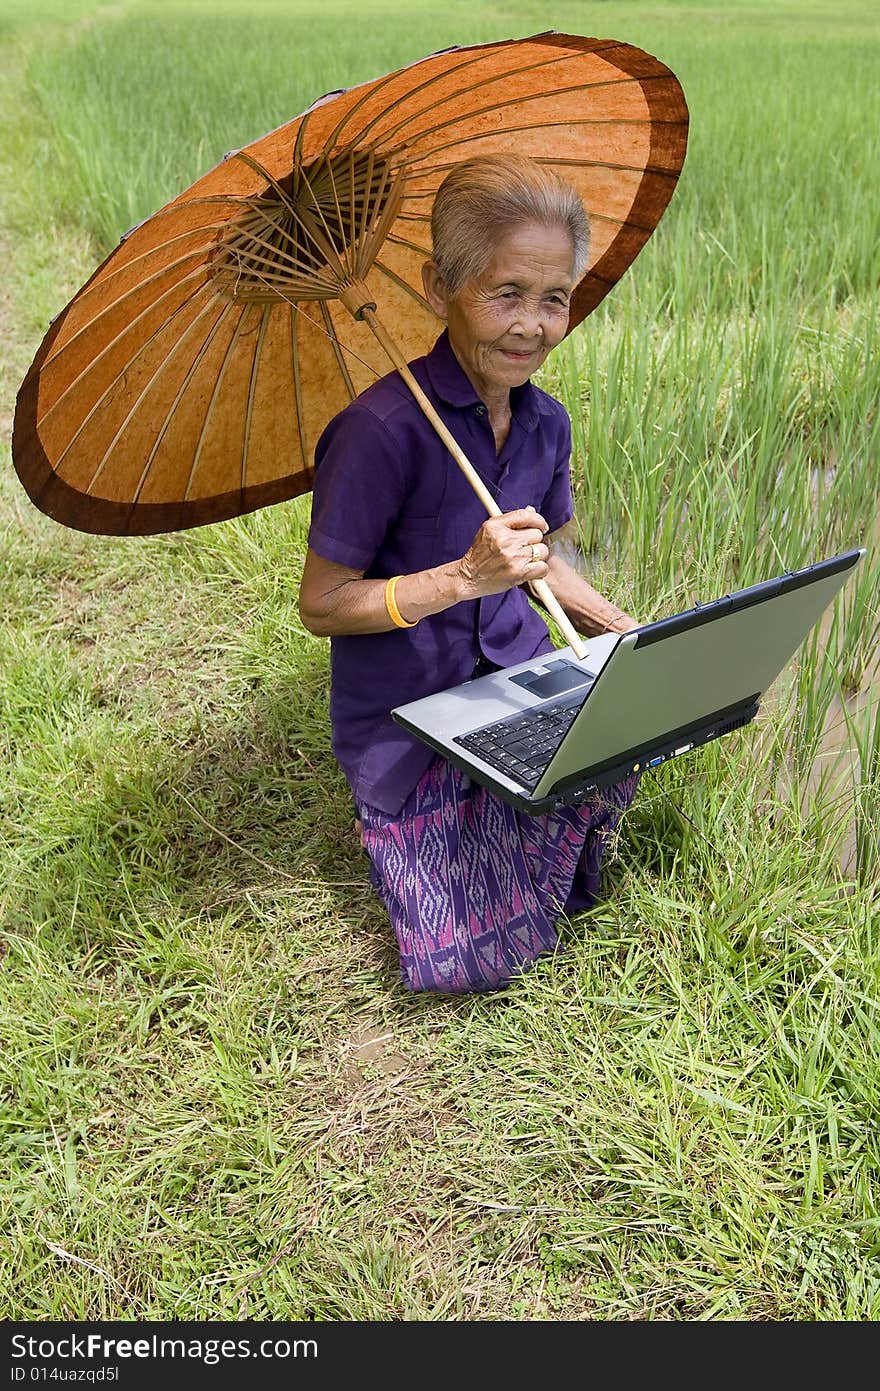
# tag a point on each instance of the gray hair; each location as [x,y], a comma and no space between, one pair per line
[488,197]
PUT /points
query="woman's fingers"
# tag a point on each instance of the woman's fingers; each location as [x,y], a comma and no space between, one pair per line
[527,529]
[502,558]
[523,517]
[508,550]
[529,537]
[514,543]
[539,554]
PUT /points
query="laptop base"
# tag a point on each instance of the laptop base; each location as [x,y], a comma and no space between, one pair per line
[572,792]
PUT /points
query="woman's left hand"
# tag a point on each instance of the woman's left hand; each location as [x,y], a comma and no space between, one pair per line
[590,613]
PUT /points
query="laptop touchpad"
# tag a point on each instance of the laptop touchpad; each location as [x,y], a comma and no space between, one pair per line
[553,678]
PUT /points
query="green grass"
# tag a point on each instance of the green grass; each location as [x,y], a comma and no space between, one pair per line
[217,1101]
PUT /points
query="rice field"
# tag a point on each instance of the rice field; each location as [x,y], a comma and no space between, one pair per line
[217,1100]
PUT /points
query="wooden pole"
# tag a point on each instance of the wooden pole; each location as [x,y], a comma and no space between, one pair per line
[540,587]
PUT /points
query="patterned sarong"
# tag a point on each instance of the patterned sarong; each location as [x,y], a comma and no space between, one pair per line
[473,887]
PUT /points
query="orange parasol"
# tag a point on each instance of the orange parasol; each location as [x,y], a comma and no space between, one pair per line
[189,379]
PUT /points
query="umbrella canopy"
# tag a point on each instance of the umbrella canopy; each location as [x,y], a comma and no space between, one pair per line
[189,379]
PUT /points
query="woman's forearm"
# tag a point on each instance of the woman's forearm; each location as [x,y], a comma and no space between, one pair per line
[590,613]
[336,601]
[344,604]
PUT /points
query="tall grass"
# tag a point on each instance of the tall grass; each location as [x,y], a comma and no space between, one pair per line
[217,1100]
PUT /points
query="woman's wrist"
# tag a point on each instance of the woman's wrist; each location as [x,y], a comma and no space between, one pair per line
[426,592]
[620,622]
[462,581]
[391,608]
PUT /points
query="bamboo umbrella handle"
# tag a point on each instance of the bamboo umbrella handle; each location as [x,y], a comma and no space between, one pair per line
[540,587]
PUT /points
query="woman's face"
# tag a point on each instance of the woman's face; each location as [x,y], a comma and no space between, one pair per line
[503,323]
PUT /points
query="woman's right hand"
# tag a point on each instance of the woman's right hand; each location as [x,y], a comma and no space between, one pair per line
[337,601]
[506,551]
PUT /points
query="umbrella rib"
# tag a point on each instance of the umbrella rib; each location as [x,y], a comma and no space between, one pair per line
[434,169]
[376,238]
[371,161]
[518,71]
[296,158]
[351,205]
[426,218]
[213,401]
[255,367]
[328,250]
[549,125]
[331,246]
[144,390]
[344,346]
[181,204]
[367,210]
[260,169]
[411,245]
[121,334]
[309,276]
[172,410]
[521,101]
[389,212]
[105,279]
[297,384]
[480,57]
[413,293]
[135,289]
[96,285]
[378,86]
[349,249]
[297,310]
[330,330]
[280,257]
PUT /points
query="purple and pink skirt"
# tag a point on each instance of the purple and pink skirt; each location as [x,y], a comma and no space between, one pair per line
[472,886]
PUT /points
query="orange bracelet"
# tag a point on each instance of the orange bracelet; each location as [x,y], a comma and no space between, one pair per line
[393,611]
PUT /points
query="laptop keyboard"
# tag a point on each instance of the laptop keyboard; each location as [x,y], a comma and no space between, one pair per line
[522,745]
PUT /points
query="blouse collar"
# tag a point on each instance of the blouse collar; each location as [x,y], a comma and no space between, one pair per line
[452,384]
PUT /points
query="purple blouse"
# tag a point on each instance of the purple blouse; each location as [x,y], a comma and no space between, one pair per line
[389,499]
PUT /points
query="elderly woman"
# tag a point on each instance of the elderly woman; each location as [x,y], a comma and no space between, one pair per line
[418,591]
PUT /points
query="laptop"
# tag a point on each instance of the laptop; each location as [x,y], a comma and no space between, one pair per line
[553,731]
